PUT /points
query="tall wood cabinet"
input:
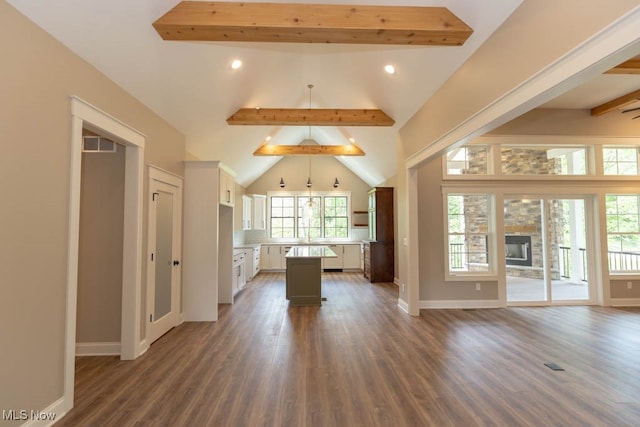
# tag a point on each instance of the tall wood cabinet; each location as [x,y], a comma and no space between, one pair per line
[379,248]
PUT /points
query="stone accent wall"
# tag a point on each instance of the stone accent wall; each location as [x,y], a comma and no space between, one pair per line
[528,161]
[522,217]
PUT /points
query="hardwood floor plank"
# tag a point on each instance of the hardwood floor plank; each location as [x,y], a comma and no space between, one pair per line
[358,360]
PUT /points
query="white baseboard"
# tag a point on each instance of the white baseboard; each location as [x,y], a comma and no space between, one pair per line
[625,302]
[98,349]
[460,304]
[404,306]
[46,417]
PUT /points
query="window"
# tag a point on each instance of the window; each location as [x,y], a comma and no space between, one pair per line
[336,218]
[532,160]
[623,232]
[468,233]
[309,217]
[620,161]
[305,216]
[282,217]
[471,160]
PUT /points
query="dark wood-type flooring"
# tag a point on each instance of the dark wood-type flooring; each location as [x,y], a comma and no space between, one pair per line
[360,361]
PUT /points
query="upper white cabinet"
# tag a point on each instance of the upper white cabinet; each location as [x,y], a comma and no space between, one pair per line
[247,220]
[259,212]
[227,188]
[254,208]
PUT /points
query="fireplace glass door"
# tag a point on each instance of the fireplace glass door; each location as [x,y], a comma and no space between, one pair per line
[546,251]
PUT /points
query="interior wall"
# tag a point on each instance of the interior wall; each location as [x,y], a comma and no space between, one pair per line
[100,254]
[431,237]
[324,170]
[517,51]
[514,53]
[37,77]
[547,121]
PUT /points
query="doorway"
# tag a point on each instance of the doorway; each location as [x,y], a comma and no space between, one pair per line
[164,253]
[547,250]
[86,116]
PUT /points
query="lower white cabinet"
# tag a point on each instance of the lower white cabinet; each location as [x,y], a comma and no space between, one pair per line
[333,263]
[271,257]
[352,257]
[349,257]
[238,280]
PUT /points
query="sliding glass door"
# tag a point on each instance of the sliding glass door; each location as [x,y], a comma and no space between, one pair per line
[546,251]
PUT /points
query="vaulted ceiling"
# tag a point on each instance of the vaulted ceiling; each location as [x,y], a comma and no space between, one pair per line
[192,85]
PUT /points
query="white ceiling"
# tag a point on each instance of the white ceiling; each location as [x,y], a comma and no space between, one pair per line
[596,91]
[191,84]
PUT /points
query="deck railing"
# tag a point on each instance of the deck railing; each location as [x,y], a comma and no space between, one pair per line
[618,260]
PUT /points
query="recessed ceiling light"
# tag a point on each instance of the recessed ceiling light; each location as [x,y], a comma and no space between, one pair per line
[236,64]
[352,140]
[268,139]
[390,69]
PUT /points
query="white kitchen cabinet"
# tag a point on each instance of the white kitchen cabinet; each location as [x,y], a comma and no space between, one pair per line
[256,262]
[239,280]
[227,188]
[208,243]
[334,263]
[271,257]
[247,214]
[352,257]
[252,261]
[259,212]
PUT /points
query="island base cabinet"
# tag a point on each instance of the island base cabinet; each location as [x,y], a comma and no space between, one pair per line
[303,281]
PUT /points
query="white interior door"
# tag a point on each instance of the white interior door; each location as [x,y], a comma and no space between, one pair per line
[164,252]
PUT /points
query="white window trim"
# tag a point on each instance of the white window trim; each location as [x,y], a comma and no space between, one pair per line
[594,158]
[467,276]
[617,274]
[297,194]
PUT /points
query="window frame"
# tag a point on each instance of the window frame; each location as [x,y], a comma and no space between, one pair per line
[490,238]
[296,195]
[620,272]
[618,163]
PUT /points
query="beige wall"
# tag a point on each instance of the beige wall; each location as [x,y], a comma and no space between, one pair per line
[545,121]
[100,253]
[324,170]
[517,51]
[37,77]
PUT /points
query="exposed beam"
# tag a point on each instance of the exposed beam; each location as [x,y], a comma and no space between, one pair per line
[631,66]
[300,150]
[309,116]
[312,23]
[615,104]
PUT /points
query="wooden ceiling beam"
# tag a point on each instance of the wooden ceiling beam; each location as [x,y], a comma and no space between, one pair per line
[309,117]
[312,23]
[305,150]
[631,66]
[615,104]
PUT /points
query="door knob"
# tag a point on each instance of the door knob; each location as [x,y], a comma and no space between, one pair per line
[176,262]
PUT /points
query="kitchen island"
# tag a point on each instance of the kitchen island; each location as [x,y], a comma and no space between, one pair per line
[304,274]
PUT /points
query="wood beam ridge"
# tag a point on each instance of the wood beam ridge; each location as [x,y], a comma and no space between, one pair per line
[631,66]
[312,23]
[300,150]
[310,116]
[616,103]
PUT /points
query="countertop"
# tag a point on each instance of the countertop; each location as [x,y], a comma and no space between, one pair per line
[311,251]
